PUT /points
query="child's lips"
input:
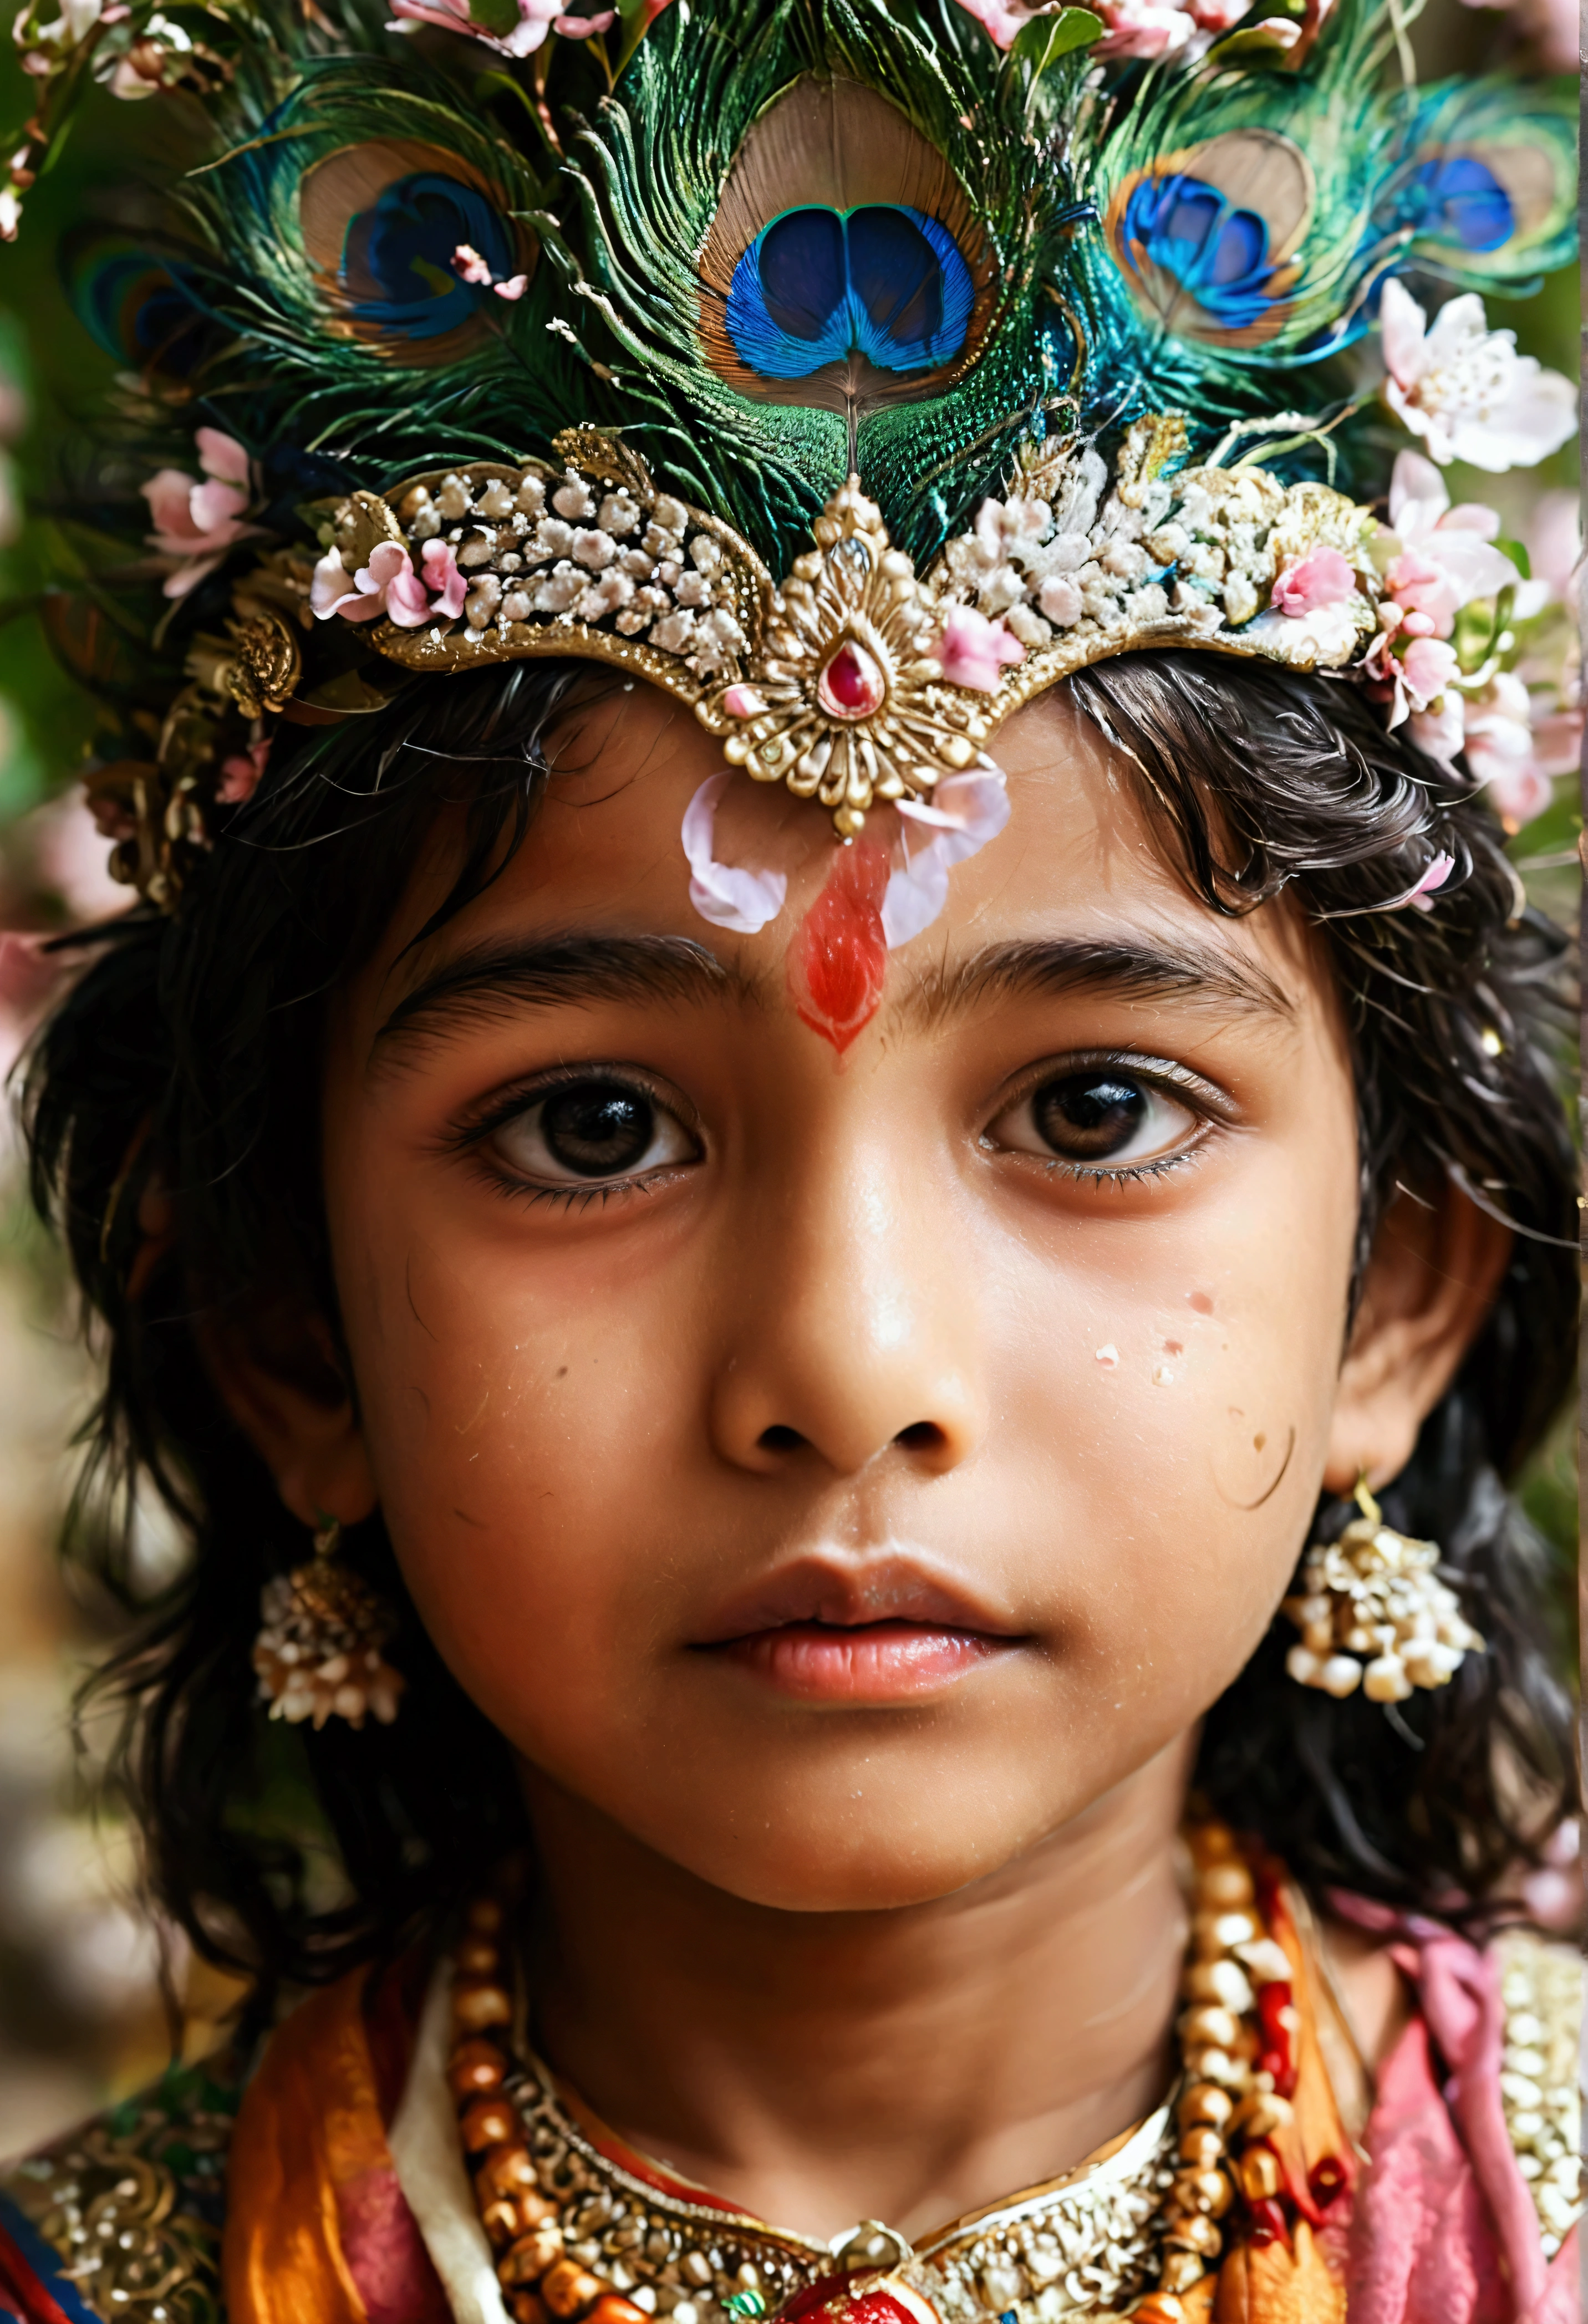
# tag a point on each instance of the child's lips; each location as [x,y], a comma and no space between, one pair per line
[875,1628]
[863,1663]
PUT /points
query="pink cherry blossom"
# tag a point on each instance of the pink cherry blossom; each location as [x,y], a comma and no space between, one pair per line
[1441,731]
[442,577]
[726,894]
[1143,28]
[1322,577]
[972,649]
[196,522]
[1428,666]
[389,585]
[1501,751]
[240,773]
[1134,28]
[1446,556]
[1464,389]
[536,19]
[1417,678]
[1000,22]
[1557,741]
[390,571]
[1424,588]
[1520,794]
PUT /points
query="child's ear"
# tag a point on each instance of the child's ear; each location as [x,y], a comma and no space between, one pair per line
[276,1366]
[1436,1267]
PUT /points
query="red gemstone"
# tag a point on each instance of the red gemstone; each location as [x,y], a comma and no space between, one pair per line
[1269,2223]
[852,685]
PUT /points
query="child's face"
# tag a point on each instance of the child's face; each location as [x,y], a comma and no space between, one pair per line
[683,1346]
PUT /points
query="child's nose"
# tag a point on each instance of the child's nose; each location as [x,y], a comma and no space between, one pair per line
[852,1329]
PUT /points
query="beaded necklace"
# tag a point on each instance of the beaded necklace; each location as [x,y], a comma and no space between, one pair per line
[580,2239]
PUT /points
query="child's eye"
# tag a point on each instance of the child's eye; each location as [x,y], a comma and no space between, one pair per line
[584,1131]
[1094,1114]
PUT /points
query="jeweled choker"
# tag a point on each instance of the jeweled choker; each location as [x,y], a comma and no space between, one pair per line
[580,2238]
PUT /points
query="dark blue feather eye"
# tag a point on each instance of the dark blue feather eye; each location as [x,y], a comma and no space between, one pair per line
[1193,233]
[397,259]
[408,245]
[135,304]
[1456,197]
[817,285]
[799,263]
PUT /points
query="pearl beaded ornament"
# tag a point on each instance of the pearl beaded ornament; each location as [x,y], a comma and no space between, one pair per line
[318,1652]
[1373,1612]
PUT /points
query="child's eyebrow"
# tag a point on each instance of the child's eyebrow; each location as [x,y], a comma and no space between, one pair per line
[574,969]
[489,980]
[1128,967]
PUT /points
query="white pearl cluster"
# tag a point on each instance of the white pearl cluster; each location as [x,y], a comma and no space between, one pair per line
[1197,553]
[1373,1612]
[318,1654]
[1541,1986]
[532,546]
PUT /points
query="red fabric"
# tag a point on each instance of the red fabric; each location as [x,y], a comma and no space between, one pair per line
[1444,2230]
[385,2252]
[21,2292]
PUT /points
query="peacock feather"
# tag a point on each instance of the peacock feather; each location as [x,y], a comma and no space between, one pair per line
[822,238]
[775,241]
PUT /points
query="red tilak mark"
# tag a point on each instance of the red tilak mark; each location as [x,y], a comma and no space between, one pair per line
[839,958]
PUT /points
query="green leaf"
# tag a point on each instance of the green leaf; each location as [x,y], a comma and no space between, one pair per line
[1518,556]
[1046,39]
[495,17]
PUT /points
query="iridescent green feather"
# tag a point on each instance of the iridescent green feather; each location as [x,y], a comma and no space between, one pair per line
[651,173]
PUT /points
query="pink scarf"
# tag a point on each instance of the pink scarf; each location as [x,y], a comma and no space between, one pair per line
[1444,2231]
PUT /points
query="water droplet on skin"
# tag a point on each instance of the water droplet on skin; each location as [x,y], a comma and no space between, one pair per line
[1109,1357]
[1200,1301]
[1162,1377]
[1174,1348]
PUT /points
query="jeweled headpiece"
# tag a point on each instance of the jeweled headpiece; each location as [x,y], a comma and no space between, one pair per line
[852,371]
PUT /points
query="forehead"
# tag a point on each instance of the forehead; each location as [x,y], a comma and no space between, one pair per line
[1078,857]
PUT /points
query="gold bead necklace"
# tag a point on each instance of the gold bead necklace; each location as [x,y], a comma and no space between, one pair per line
[580,2239]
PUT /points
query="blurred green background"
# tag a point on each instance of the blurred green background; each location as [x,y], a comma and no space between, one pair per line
[79,2011]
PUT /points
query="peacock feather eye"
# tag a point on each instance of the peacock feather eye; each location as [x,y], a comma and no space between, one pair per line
[1457,198]
[884,282]
[135,302]
[845,263]
[1204,238]
[1193,235]
[408,245]
[1487,197]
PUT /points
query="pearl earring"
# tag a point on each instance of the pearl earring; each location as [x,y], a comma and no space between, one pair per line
[317,1653]
[1374,1593]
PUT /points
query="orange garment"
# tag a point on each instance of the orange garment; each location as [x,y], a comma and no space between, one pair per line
[310,2124]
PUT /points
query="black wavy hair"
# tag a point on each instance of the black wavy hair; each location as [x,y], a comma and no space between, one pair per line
[172,1105]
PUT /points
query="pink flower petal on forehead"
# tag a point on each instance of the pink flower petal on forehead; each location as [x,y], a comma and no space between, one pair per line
[725,894]
[968,810]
